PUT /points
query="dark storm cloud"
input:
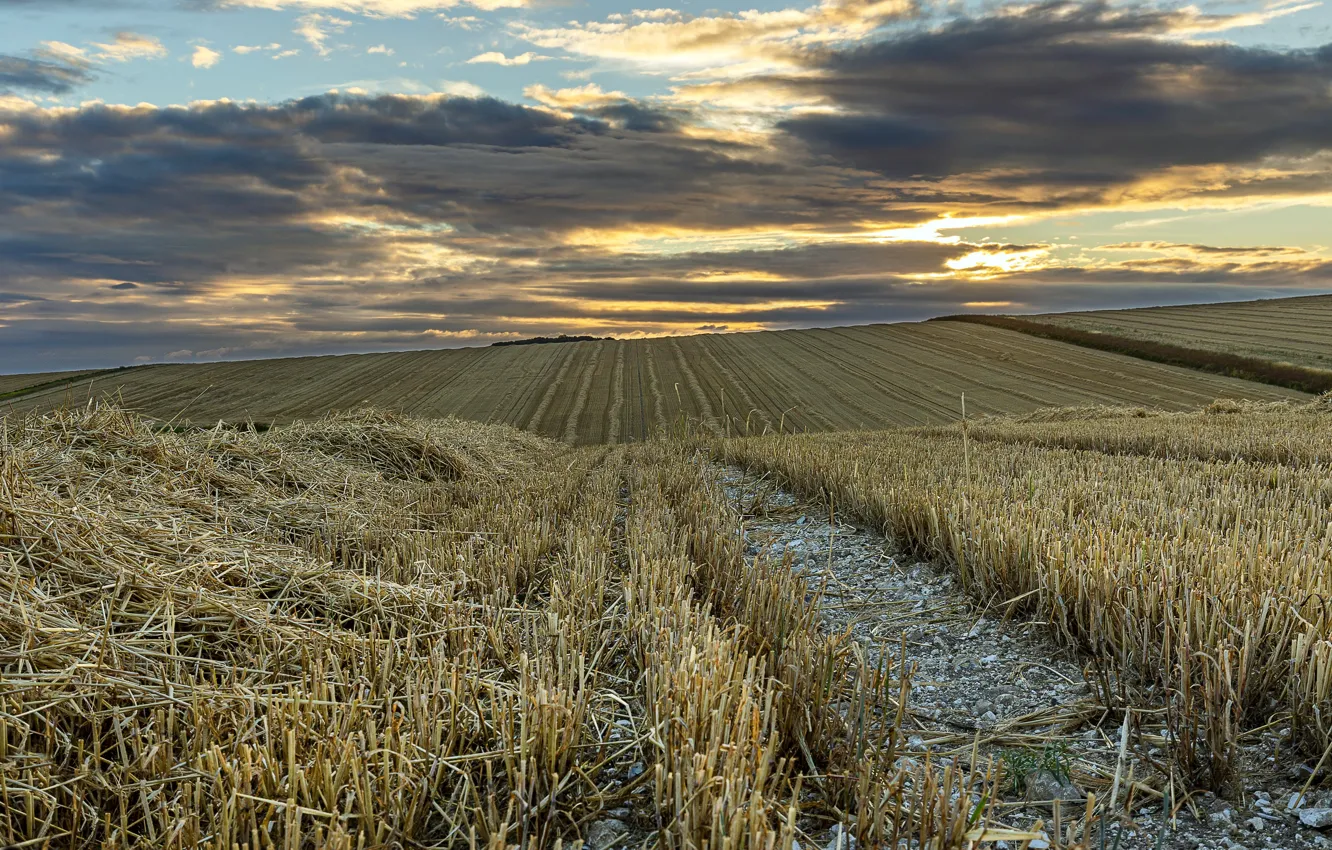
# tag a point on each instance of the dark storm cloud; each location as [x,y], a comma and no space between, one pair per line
[392,120]
[614,179]
[171,195]
[639,117]
[49,76]
[1066,94]
[187,194]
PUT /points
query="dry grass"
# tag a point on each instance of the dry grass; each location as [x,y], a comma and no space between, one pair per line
[373,631]
[1190,553]
[1276,433]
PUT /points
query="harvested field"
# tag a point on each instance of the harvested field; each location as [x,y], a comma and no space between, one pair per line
[373,631]
[619,391]
[1282,330]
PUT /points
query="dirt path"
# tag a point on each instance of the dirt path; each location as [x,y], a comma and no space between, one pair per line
[1006,689]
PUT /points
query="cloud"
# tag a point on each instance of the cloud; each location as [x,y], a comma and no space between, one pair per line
[383,49]
[51,74]
[57,67]
[497,58]
[129,46]
[615,107]
[244,49]
[589,96]
[1074,97]
[316,29]
[1195,249]
[313,206]
[204,57]
[70,4]
[375,8]
[463,22]
[60,51]
[669,41]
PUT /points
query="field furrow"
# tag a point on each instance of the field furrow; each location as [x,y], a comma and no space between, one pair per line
[702,406]
[615,413]
[658,403]
[552,389]
[571,432]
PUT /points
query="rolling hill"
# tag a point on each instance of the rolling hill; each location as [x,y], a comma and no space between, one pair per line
[622,390]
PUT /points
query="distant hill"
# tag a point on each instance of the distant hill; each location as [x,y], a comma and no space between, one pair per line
[618,390]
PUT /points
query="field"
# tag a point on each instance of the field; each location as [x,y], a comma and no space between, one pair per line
[1297,331]
[371,630]
[618,391]
[10,383]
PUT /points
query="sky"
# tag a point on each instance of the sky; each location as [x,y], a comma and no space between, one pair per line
[200,180]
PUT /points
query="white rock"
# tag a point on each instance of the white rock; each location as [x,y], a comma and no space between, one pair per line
[1256,824]
[1316,818]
